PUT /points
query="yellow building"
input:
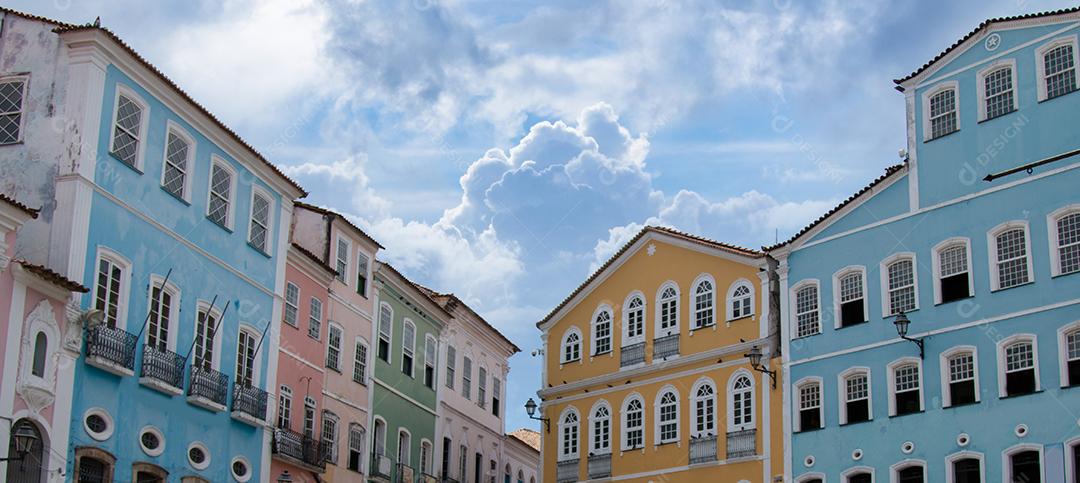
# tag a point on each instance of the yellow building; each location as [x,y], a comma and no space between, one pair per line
[646,377]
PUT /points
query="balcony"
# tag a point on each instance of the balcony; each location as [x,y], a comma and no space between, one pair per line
[665,347]
[599,466]
[111,349]
[703,449]
[162,370]
[405,473]
[381,467]
[249,404]
[741,444]
[426,478]
[567,471]
[447,479]
[295,448]
[208,388]
[632,354]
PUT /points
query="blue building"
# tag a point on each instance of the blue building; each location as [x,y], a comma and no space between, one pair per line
[970,248]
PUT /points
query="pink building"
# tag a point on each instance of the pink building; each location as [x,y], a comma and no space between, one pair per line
[40,325]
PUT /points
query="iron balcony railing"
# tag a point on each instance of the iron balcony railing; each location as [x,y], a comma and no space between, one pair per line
[299,447]
[249,400]
[380,466]
[703,449]
[599,465]
[567,471]
[209,384]
[741,444]
[405,473]
[112,345]
[665,347]
[163,365]
[632,354]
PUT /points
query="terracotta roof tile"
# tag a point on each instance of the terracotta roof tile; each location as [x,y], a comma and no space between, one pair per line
[26,209]
[38,18]
[53,277]
[527,436]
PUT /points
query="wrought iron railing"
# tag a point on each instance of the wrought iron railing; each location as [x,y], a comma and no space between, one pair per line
[741,444]
[632,354]
[381,466]
[299,447]
[665,347]
[567,471]
[599,465]
[113,345]
[163,365]
[250,400]
[404,474]
[209,384]
[703,449]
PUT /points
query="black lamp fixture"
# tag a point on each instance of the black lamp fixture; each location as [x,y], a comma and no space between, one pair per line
[285,477]
[901,321]
[24,439]
[755,361]
[530,408]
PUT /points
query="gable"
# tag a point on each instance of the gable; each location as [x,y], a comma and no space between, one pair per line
[880,203]
[1007,41]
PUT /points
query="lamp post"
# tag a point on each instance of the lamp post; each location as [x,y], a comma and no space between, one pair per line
[902,324]
[530,408]
[755,361]
[24,439]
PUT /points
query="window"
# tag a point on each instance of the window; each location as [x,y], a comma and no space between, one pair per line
[860,477]
[600,422]
[357,437]
[292,304]
[633,423]
[451,366]
[1024,466]
[12,93]
[568,430]
[178,154]
[333,348]
[309,417]
[205,332]
[329,435]
[258,235]
[1075,449]
[667,416]
[162,313]
[704,302]
[571,346]
[496,396]
[906,387]
[900,284]
[425,458]
[245,358]
[342,266]
[602,332]
[911,474]
[1010,260]
[668,311]
[478,462]
[222,184]
[481,387]
[41,350]
[960,377]
[704,409]
[109,288]
[430,354]
[810,406]
[849,286]
[966,469]
[386,317]
[361,273]
[856,396]
[996,90]
[404,448]
[378,439]
[466,377]
[1070,351]
[284,416]
[447,445]
[741,403]
[1065,240]
[952,267]
[943,114]
[359,374]
[129,123]
[807,316]
[1056,65]
[315,319]
[634,323]
[740,300]
[408,345]
[1019,374]
[463,462]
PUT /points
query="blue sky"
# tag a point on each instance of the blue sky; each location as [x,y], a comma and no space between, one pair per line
[501,150]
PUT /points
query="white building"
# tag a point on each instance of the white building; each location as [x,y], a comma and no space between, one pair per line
[522,457]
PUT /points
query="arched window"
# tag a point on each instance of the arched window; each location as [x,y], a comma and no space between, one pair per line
[425,457]
[284,418]
[41,349]
[1069,347]
[571,346]
[329,435]
[1023,463]
[997,89]
[1010,257]
[704,401]
[408,345]
[601,331]
[941,107]
[404,448]
[520,476]
[378,439]
[1056,65]
[634,320]
[633,422]
[740,300]
[952,269]
[568,432]
[913,472]
[1064,226]
[30,468]
[905,386]
[704,303]
[386,324]
[959,376]
[741,403]
[807,313]
[600,422]
[849,290]
[855,396]
[899,284]
[1018,369]
[964,467]
[667,310]
[667,416]
[357,441]
[309,417]
[810,408]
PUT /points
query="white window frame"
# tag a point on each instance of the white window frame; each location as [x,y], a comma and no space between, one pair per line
[1054,237]
[173,127]
[144,124]
[254,334]
[838,303]
[946,381]
[426,456]
[366,267]
[856,470]
[215,349]
[25,79]
[593,326]
[365,362]
[694,399]
[481,384]
[174,311]
[691,298]
[331,326]
[936,262]
[601,404]
[407,459]
[466,376]
[891,376]
[980,85]
[295,305]
[431,361]
[319,319]
[896,468]
[378,441]
[794,302]
[1063,350]
[951,460]
[658,440]
[729,299]
[626,338]
[451,365]
[1001,360]
[730,396]
[624,421]
[343,276]
[563,454]
[331,440]
[270,210]
[1040,62]
[992,252]
[883,270]
[124,294]
[1006,456]
[841,392]
[564,353]
[230,212]
[284,394]
[797,401]
[674,329]
[927,124]
[389,335]
[408,348]
[362,442]
[1071,471]
[806,477]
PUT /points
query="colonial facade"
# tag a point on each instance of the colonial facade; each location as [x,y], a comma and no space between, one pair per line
[522,461]
[645,371]
[931,327]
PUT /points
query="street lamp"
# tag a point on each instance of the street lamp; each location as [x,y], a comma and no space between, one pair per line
[285,477]
[24,439]
[530,407]
[755,361]
[902,324]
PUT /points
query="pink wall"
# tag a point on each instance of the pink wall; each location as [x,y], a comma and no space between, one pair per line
[295,343]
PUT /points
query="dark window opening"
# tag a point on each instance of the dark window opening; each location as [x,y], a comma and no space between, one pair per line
[809,419]
[858,411]
[912,474]
[41,343]
[478,468]
[1076,462]
[1025,467]
[495,406]
[406,364]
[446,444]
[852,313]
[907,402]
[144,477]
[967,471]
[1020,382]
[962,392]
[384,350]
[429,377]
[860,478]
[954,287]
[1074,375]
